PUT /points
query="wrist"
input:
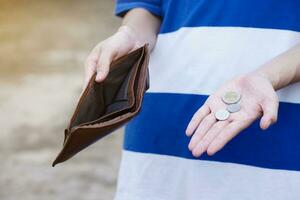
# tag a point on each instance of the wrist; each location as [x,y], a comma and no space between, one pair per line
[129,32]
[270,76]
[138,37]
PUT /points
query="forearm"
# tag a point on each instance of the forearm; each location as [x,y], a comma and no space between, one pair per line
[283,69]
[143,24]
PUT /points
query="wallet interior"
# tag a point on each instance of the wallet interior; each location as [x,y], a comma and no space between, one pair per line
[108,99]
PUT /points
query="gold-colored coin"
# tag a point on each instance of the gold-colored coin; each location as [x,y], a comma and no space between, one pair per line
[231,97]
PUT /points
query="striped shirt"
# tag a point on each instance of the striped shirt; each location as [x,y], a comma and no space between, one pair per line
[201,44]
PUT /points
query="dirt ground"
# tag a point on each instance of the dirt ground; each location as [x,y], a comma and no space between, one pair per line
[43,45]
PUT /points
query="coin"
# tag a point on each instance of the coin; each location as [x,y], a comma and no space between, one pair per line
[222,114]
[235,107]
[231,97]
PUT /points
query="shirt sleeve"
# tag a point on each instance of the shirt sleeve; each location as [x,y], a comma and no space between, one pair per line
[153,6]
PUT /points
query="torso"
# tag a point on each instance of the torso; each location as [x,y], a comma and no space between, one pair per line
[203,43]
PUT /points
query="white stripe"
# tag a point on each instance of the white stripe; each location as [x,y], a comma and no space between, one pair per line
[198,60]
[159,177]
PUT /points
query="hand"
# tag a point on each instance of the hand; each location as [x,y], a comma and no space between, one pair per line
[100,58]
[258,98]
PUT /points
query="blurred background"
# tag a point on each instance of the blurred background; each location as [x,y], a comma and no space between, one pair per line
[43,45]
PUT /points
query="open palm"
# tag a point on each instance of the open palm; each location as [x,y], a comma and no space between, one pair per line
[258,98]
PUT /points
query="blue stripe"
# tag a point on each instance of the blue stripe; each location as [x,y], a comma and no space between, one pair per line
[160,127]
[122,6]
[273,14]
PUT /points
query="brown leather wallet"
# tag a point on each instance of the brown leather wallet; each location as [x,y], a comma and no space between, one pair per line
[104,107]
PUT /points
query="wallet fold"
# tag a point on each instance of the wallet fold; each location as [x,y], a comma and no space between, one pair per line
[106,106]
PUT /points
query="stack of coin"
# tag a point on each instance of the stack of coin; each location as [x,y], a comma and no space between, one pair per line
[232,101]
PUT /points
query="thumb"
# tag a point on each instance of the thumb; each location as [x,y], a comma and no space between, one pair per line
[91,64]
[89,72]
[103,64]
[270,112]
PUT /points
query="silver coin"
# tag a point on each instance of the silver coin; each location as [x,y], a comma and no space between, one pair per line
[235,107]
[222,114]
[231,97]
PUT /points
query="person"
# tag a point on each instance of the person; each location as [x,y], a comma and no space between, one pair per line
[176,148]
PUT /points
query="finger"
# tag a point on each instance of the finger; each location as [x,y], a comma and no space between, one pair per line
[91,64]
[203,143]
[203,127]
[103,65]
[196,119]
[270,112]
[89,72]
[228,132]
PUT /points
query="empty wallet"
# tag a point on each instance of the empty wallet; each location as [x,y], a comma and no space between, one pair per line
[106,106]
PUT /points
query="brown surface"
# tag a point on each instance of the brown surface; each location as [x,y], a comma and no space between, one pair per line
[43,45]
